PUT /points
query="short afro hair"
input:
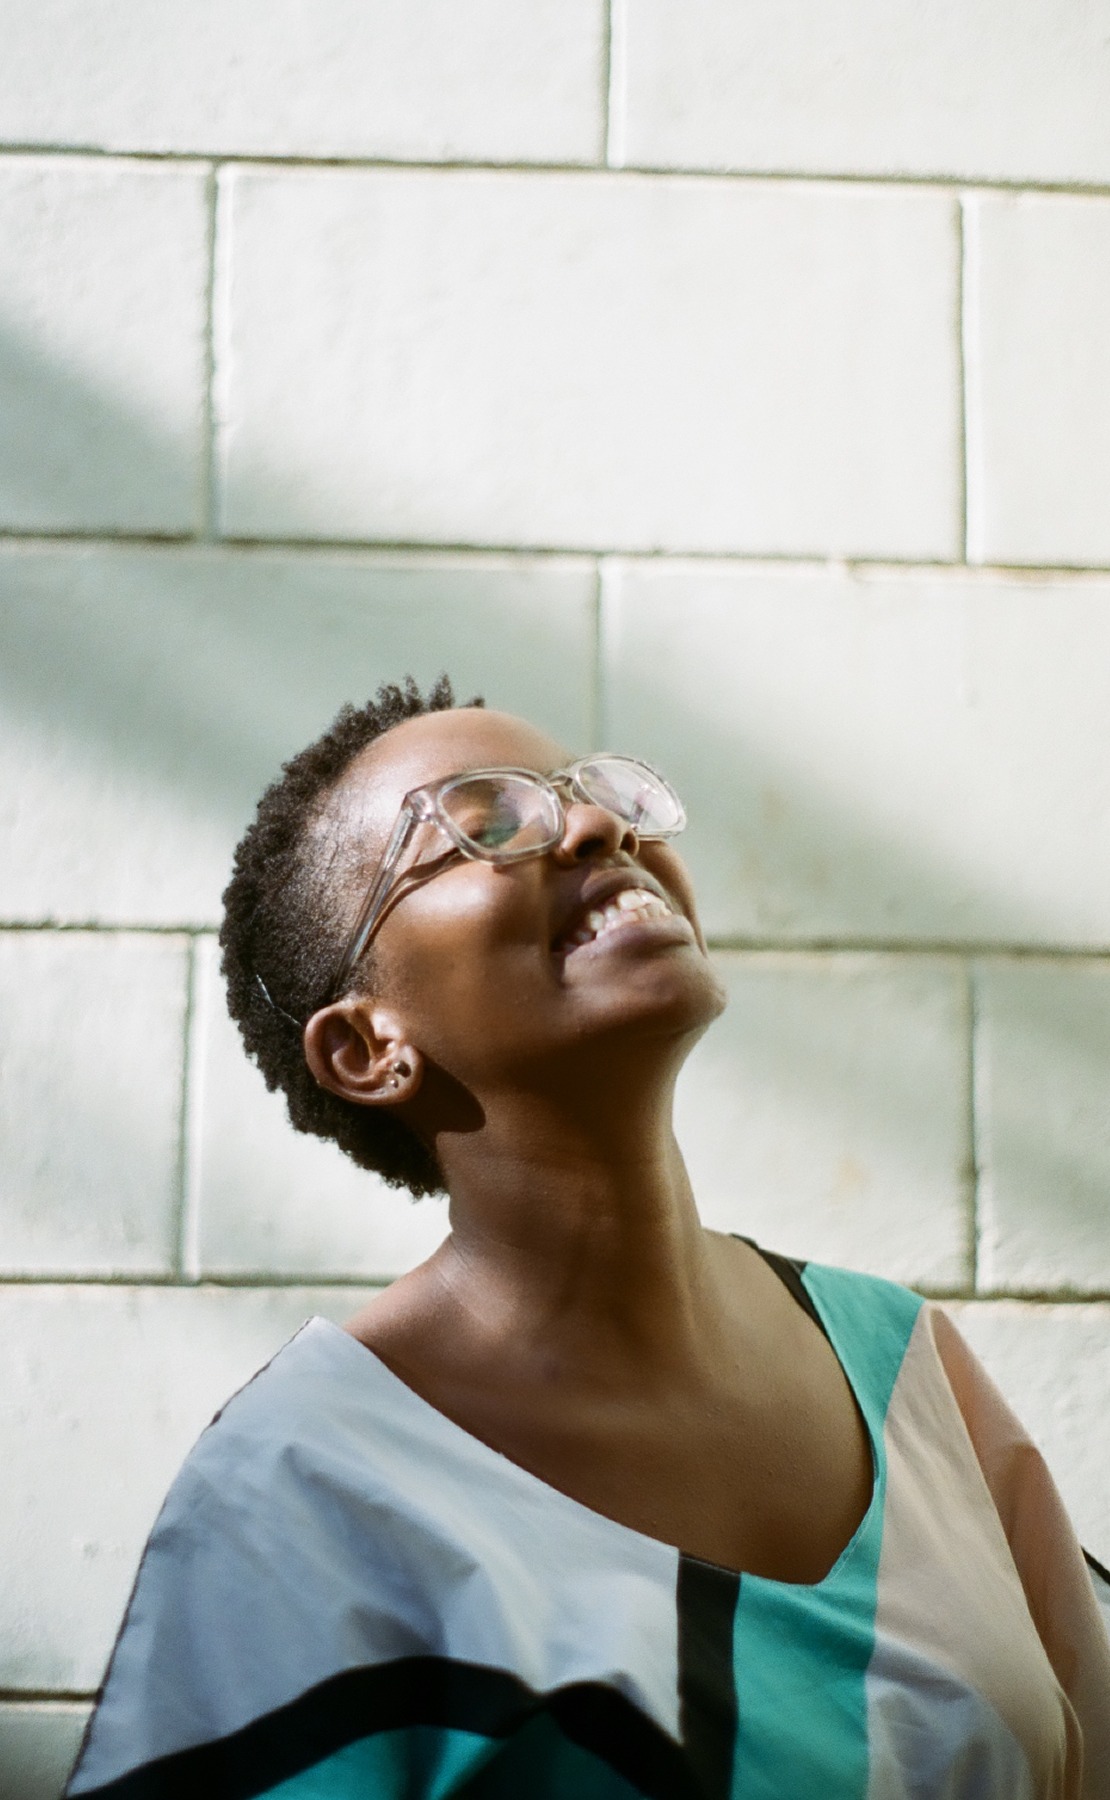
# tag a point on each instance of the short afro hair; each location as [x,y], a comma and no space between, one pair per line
[283,935]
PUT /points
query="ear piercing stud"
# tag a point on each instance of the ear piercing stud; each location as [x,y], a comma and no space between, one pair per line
[397,1070]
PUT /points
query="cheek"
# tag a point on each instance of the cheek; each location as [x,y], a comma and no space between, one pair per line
[472,933]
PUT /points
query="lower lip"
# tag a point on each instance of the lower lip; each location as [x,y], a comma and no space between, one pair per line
[672,928]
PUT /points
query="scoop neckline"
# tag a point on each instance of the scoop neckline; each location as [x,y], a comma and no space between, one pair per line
[602,1521]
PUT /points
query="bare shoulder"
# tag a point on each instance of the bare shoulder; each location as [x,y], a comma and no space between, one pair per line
[400,1315]
[752,1287]
[788,1350]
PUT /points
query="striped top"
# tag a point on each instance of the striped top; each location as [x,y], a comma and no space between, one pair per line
[348,1597]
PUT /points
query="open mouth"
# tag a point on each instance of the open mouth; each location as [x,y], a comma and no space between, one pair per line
[629,906]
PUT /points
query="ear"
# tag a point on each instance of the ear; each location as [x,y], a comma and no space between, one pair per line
[358,1050]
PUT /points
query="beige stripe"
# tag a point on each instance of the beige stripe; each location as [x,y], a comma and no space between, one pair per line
[950,1595]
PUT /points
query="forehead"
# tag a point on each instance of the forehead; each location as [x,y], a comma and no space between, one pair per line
[434,745]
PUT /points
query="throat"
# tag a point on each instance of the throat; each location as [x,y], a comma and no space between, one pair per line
[575,1236]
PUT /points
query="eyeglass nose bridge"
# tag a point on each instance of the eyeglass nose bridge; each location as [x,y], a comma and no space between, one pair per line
[577,795]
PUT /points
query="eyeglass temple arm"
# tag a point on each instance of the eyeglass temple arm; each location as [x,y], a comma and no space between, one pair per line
[375,900]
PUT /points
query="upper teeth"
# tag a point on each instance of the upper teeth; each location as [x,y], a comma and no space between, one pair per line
[638,902]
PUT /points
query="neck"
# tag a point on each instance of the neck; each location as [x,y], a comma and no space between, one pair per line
[573,1229]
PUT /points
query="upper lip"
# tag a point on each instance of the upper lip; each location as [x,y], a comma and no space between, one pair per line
[597,889]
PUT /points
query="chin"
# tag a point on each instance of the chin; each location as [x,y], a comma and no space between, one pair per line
[676,1002]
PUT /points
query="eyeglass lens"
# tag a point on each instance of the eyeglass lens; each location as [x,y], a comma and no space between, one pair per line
[498,813]
[634,792]
[510,813]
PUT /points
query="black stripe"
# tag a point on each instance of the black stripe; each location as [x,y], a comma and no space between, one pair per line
[1096,1567]
[413,1691]
[707,1597]
[789,1271]
[601,1720]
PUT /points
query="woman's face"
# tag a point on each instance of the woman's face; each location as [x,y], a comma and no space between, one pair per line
[494,970]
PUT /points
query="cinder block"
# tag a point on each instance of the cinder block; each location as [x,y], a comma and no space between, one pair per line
[588,360]
[103,278]
[1053,1365]
[1038,367]
[91,1047]
[870,756]
[486,79]
[105,1389]
[1043,1138]
[826,1113]
[39,1741]
[270,1200]
[1005,89]
[149,695]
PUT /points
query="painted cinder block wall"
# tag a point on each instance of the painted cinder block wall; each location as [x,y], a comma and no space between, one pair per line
[730,385]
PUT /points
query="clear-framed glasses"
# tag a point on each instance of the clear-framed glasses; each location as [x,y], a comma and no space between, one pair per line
[504,815]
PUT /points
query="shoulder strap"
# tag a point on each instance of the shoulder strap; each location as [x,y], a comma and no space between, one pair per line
[789,1271]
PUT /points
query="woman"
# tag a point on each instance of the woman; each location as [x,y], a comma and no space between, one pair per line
[594,1502]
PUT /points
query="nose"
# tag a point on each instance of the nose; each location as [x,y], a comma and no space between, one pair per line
[591,831]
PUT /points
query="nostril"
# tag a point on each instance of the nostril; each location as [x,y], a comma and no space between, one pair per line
[586,847]
[591,831]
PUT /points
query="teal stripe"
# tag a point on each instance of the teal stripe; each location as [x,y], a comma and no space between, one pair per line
[801,1653]
[424,1761]
[429,1762]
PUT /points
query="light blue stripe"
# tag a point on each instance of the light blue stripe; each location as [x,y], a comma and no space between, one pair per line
[801,1653]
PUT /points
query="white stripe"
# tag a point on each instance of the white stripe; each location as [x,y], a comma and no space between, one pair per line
[929,1733]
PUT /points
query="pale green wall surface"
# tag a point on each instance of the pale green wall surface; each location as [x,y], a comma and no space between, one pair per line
[727,384]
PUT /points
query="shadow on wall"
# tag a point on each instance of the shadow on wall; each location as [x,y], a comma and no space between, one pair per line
[73,457]
[150,691]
